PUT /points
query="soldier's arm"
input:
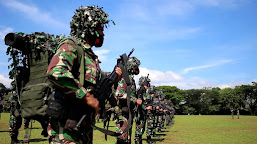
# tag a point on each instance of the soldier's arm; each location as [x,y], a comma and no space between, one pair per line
[59,70]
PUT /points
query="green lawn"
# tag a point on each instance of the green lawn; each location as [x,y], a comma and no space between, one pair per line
[189,129]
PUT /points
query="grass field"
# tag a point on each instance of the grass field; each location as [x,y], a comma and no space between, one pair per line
[189,129]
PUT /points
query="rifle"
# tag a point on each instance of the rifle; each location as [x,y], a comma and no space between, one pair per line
[103,92]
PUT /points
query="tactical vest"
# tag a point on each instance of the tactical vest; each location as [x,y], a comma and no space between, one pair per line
[35,93]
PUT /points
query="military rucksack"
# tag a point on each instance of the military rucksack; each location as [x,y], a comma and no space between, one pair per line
[36,51]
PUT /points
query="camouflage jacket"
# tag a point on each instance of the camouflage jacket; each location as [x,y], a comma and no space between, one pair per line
[61,69]
[122,87]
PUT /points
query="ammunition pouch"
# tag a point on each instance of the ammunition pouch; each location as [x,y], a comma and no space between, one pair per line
[56,104]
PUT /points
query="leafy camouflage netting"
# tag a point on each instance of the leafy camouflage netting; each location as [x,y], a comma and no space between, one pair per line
[86,19]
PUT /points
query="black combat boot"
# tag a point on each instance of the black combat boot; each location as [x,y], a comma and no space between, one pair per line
[44,133]
[149,140]
[159,130]
[14,139]
[155,135]
[138,139]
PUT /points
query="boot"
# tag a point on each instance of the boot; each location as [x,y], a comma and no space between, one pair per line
[14,139]
[44,133]
[138,139]
[149,140]
[159,130]
[155,135]
[163,128]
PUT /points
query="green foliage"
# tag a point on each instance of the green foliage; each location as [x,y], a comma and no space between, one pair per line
[213,100]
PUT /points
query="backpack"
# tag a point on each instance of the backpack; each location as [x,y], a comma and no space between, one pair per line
[36,50]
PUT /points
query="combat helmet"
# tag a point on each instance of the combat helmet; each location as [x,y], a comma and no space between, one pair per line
[160,94]
[151,89]
[145,81]
[85,21]
[133,64]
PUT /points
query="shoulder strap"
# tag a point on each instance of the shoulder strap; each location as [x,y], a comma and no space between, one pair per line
[81,58]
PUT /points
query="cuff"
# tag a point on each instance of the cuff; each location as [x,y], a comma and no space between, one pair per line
[80,93]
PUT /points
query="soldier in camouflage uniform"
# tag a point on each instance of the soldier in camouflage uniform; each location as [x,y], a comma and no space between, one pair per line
[121,95]
[144,83]
[150,130]
[87,31]
[15,121]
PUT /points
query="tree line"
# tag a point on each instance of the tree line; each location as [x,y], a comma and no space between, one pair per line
[215,100]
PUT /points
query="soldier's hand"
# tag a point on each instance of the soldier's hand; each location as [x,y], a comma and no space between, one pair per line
[118,72]
[92,102]
[149,108]
[157,107]
[139,102]
[70,124]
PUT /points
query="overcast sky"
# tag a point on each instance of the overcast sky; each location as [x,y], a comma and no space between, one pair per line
[183,43]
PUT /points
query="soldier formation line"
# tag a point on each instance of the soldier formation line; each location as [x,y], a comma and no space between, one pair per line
[57,81]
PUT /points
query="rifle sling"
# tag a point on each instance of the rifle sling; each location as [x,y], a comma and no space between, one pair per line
[105,131]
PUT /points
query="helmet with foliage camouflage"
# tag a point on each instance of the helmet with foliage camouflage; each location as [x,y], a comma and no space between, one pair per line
[151,89]
[145,81]
[85,21]
[133,64]
[159,94]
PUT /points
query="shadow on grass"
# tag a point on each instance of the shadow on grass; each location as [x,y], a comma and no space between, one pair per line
[161,134]
[165,131]
[4,131]
[37,140]
[156,140]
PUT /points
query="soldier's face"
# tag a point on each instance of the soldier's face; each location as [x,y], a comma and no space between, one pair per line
[99,40]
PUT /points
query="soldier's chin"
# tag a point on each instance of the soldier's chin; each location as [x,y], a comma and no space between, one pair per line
[99,42]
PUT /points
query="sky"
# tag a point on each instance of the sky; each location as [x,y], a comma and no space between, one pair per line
[189,44]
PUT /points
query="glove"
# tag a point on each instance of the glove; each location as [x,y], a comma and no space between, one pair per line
[70,125]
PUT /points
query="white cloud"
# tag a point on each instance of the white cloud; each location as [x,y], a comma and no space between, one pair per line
[102,54]
[174,7]
[169,78]
[218,3]
[217,63]
[33,13]
[224,86]
[5,81]
[3,31]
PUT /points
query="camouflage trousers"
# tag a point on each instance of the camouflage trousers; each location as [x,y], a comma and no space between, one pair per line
[120,127]
[150,124]
[140,123]
[15,123]
[159,121]
[163,120]
[59,135]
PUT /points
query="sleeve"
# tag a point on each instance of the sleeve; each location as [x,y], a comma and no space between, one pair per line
[133,98]
[59,70]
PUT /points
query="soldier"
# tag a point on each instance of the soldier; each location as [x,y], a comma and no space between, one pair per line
[15,121]
[238,113]
[150,130]
[144,83]
[232,113]
[121,95]
[87,28]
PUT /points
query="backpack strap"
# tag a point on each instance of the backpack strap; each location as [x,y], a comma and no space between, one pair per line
[81,55]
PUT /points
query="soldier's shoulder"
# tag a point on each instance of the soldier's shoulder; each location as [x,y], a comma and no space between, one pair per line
[68,43]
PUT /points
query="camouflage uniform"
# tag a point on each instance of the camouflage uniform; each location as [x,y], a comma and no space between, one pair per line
[121,95]
[63,72]
[150,130]
[60,74]
[15,122]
